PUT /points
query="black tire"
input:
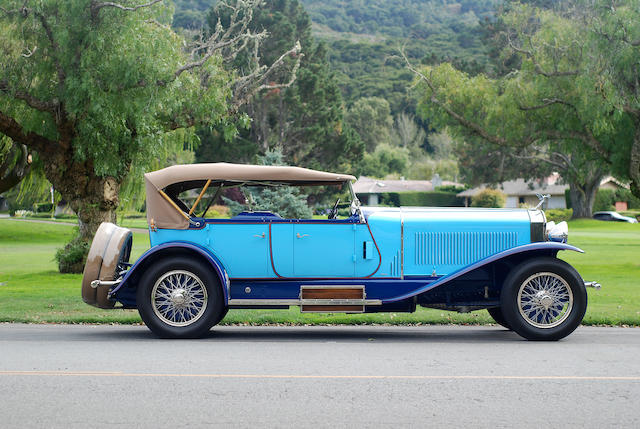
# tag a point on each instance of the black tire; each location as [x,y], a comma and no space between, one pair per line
[557,308]
[498,317]
[159,313]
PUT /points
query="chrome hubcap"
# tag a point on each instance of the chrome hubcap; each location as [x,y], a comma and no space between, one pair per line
[179,298]
[545,300]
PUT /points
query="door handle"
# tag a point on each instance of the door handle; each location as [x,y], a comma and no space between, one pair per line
[301,235]
[260,235]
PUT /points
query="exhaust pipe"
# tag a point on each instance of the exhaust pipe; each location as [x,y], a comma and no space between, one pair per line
[594,285]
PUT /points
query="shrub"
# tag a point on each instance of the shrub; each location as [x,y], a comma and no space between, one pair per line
[71,257]
[489,198]
[421,199]
[43,208]
[605,200]
[626,195]
[558,215]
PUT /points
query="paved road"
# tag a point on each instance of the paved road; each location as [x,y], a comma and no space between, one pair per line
[93,376]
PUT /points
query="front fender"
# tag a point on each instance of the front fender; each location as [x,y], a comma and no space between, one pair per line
[138,268]
[543,247]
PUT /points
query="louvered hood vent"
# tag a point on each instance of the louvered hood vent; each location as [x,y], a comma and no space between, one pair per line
[460,248]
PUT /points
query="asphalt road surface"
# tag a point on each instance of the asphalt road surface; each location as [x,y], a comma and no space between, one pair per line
[432,376]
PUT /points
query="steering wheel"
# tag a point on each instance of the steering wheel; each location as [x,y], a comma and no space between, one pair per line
[334,211]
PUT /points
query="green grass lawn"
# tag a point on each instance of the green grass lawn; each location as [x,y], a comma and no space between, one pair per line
[31,289]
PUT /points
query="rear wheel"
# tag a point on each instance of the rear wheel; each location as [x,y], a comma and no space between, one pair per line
[180,298]
[543,299]
[498,317]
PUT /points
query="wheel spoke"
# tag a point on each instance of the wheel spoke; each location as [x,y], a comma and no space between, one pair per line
[545,300]
[179,298]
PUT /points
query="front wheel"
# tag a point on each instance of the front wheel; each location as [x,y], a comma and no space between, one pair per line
[180,298]
[543,299]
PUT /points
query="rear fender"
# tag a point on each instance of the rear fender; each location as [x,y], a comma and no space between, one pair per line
[135,273]
[516,254]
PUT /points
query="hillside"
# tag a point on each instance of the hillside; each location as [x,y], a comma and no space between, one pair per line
[364,38]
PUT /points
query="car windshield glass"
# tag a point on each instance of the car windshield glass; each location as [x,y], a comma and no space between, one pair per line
[229,200]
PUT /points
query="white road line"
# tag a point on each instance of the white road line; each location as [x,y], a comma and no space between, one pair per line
[300,376]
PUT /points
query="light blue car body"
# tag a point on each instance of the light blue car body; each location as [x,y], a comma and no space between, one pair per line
[399,255]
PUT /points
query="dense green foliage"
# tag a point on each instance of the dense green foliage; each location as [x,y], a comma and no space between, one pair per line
[363,41]
[570,105]
[365,38]
[305,120]
[96,90]
[191,14]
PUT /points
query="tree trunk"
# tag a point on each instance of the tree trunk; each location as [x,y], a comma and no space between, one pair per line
[94,199]
[583,195]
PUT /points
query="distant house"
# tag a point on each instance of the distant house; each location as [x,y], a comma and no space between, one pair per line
[520,192]
[368,190]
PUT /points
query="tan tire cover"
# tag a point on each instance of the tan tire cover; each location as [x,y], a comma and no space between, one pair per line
[108,237]
[117,250]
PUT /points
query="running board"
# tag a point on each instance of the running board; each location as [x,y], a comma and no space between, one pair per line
[318,299]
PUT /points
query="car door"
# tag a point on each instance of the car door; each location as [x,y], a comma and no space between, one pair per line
[324,249]
[243,248]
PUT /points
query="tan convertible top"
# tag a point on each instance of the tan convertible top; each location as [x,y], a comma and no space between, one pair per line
[165,215]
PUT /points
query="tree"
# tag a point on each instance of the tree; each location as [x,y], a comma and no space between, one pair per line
[572,104]
[96,87]
[305,120]
[383,161]
[371,118]
[408,132]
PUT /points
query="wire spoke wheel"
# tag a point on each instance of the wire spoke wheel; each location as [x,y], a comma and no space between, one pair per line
[545,300]
[179,298]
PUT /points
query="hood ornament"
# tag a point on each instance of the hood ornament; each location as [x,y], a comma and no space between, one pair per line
[542,198]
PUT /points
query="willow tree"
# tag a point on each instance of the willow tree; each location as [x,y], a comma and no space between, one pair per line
[573,103]
[95,87]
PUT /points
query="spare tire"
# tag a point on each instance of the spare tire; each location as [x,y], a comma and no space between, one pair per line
[111,246]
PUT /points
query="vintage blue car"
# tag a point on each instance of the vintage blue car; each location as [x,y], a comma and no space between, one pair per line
[375,259]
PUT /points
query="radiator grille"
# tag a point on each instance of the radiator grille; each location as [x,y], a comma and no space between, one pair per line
[460,248]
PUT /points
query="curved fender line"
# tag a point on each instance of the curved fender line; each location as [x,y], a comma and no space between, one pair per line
[213,260]
[520,249]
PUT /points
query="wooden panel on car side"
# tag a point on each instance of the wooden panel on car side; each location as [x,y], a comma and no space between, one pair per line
[332,293]
[332,299]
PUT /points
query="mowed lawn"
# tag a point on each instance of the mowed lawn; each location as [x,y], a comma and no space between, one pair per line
[31,289]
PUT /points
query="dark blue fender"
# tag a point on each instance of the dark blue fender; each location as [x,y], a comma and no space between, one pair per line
[542,247]
[208,256]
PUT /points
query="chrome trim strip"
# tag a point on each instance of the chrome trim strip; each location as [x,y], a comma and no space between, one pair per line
[259,302]
[332,286]
[401,244]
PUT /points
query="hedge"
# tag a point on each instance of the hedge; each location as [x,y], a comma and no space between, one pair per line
[421,199]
